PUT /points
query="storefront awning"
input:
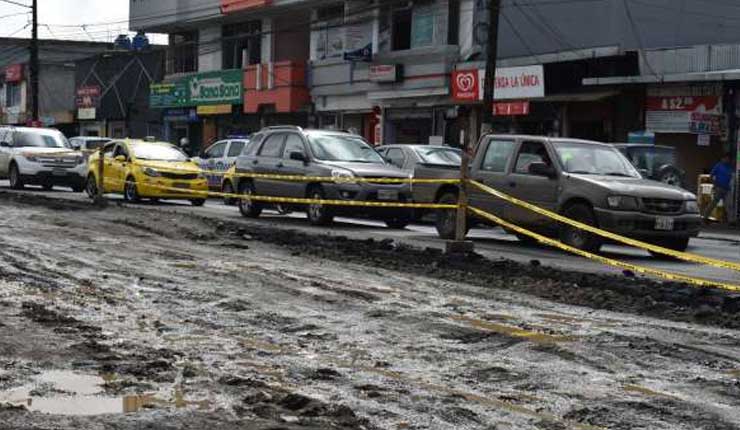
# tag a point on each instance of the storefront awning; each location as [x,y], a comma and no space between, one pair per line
[719,75]
[577,97]
[404,94]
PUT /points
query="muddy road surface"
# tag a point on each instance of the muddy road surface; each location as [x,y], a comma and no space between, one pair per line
[135,318]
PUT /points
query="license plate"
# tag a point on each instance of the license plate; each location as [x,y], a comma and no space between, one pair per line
[387,195]
[183,186]
[664,223]
[59,172]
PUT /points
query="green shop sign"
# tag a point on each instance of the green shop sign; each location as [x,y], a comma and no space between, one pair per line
[211,88]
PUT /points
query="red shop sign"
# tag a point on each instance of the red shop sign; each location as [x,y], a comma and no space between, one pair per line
[511,108]
[684,103]
[14,73]
[465,85]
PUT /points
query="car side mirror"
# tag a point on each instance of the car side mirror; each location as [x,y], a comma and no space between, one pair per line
[644,173]
[542,169]
[298,156]
[120,158]
[5,144]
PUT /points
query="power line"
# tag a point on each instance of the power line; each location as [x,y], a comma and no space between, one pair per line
[16,3]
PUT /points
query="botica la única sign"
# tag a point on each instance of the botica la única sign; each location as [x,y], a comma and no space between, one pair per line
[223,87]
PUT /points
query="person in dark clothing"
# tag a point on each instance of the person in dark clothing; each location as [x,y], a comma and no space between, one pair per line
[722,174]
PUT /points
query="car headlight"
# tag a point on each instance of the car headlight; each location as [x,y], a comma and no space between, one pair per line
[79,160]
[692,207]
[623,203]
[31,158]
[342,175]
[151,172]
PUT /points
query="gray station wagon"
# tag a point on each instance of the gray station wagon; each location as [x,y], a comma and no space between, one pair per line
[343,157]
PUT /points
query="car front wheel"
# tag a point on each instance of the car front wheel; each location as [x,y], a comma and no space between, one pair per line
[15,177]
[91,187]
[318,214]
[679,244]
[576,237]
[247,206]
[130,191]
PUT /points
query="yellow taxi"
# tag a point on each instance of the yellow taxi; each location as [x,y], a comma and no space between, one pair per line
[147,169]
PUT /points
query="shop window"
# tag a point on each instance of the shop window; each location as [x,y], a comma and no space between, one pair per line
[329,32]
[242,45]
[182,56]
[12,94]
[497,156]
[453,22]
[413,26]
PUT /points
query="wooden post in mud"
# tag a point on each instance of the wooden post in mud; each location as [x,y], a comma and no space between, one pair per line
[99,199]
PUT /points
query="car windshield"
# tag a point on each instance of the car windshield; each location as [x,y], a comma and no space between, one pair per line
[651,159]
[158,153]
[588,159]
[337,147]
[444,156]
[39,140]
[95,144]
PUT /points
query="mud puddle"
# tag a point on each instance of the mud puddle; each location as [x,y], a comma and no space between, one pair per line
[68,393]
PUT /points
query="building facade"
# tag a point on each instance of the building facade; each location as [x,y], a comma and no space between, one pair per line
[410,71]
[56,81]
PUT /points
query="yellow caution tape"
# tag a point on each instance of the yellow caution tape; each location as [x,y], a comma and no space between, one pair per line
[606,234]
[698,282]
[269,199]
[299,178]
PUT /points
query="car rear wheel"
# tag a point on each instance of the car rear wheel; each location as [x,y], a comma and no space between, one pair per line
[47,186]
[197,202]
[78,188]
[15,177]
[130,191]
[576,237]
[228,189]
[318,214]
[247,206]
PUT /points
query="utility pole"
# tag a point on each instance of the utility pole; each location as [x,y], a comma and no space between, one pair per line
[459,245]
[494,11]
[34,64]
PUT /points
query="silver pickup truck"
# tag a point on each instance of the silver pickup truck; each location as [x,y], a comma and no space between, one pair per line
[587,181]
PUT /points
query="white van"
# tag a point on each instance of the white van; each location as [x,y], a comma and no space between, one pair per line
[40,156]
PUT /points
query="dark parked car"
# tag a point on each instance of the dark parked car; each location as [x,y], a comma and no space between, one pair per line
[344,157]
[408,157]
[654,162]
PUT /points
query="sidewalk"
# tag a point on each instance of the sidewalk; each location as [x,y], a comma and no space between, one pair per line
[721,231]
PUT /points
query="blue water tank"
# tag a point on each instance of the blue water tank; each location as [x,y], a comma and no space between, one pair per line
[141,41]
[122,42]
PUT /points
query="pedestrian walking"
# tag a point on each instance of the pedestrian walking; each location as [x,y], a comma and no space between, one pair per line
[721,173]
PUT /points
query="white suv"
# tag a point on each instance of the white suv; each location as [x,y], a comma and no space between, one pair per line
[40,156]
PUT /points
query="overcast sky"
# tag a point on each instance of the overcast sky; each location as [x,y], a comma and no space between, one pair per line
[101,16]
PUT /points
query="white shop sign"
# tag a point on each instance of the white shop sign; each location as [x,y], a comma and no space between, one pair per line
[527,82]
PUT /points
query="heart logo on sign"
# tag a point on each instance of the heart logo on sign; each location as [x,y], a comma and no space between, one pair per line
[465,82]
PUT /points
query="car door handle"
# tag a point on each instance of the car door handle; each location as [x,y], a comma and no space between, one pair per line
[512,184]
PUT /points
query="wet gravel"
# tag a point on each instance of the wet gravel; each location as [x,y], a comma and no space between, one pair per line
[199,323]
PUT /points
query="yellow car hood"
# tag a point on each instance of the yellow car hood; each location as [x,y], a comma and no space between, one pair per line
[172,166]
